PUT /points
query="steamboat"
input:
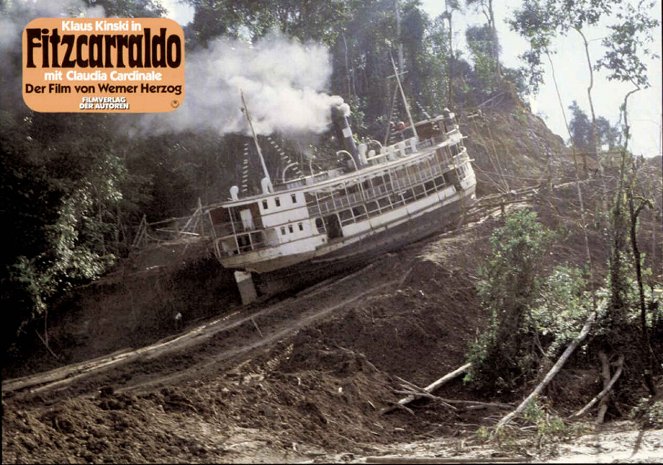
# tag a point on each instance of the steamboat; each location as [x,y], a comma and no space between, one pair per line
[384,197]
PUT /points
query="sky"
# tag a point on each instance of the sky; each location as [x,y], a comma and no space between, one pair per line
[645,112]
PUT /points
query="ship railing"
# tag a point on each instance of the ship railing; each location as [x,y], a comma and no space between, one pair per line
[333,203]
[232,227]
[329,203]
[252,245]
[244,242]
[431,141]
[381,157]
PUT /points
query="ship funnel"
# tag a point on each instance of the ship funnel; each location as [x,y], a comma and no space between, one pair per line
[339,114]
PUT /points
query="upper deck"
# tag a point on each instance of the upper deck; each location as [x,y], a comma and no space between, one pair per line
[373,163]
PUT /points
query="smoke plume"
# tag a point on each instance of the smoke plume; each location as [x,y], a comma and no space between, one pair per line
[282,81]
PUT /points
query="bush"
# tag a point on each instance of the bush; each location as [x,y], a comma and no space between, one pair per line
[508,287]
[562,308]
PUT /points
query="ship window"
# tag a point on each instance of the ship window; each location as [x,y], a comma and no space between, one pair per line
[294,198]
[277,201]
[429,186]
[319,224]
[301,227]
[439,181]
[419,191]
[372,207]
[290,228]
[264,204]
[283,230]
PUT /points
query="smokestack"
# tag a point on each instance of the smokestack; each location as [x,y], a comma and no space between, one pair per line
[339,115]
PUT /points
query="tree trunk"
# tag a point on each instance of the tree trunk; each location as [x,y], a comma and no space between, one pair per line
[606,389]
[646,347]
[450,60]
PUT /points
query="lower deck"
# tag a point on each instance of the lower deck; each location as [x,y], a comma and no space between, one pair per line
[336,240]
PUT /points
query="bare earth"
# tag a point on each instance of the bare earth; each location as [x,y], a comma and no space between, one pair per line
[298,378]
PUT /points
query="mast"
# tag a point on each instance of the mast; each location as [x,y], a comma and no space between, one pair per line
[398,34]
[245,109]
[407,107]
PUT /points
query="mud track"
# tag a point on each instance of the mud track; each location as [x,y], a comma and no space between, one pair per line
[224,342]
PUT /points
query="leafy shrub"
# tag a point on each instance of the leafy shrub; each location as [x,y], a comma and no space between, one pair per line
[508,287]
[562,307]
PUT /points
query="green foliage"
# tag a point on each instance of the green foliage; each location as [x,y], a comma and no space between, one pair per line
[565,303]
[549,427]
[628,296]
[536,21]
[542,427]
[508,287]
[561,308]
[580,127]
[627,42]
[319,21]
[480,41]
[61,188]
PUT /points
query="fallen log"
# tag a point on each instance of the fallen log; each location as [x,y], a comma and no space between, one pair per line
[551,374]
[473,404]
[431,387]
[469,404]
[424,395]
[600,395]
[408,383]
